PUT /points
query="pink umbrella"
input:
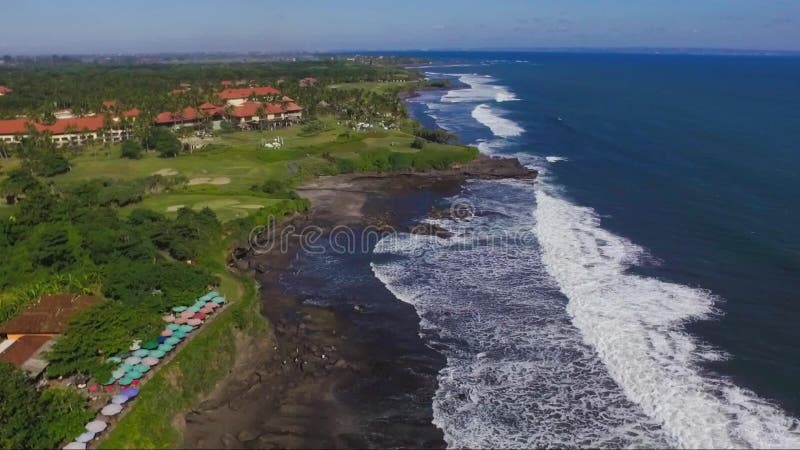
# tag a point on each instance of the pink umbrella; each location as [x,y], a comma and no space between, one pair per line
[181,320]
[199,316]
[194,322]
[166,333]
[207,310]
[169,318]
[187,314]
[212,305]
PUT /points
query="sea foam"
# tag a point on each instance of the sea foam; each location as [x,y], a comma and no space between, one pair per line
[481,89]
[500,126]
[636,324]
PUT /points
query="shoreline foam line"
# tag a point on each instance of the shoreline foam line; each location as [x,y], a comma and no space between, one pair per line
[636,324]
[500,126]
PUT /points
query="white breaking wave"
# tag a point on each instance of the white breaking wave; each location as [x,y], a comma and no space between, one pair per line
[518,374]
[480,89]
[636,323]
[500,126]
[555,159]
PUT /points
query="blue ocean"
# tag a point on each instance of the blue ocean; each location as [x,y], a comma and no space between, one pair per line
[645,291]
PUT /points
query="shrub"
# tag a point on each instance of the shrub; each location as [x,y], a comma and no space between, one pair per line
[131,150]
[418,143]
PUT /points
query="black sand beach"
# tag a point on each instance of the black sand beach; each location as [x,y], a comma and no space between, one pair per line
[343,364]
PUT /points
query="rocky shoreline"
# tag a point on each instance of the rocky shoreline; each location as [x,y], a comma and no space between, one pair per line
[344,368]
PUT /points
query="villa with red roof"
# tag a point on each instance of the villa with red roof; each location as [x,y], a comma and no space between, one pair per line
[238,96]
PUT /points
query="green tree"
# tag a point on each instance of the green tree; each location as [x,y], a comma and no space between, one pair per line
[131,149]
[165,143]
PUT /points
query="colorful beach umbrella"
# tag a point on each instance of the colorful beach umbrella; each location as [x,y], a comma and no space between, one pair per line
[130,392]
[143,368]
[188,313]
[111,410]
[133,375]
[157,353]
[166,333]
[85,437]
[219,300]
[126,380]
[168,318]
[166,348]
[173,327]
[150,361]
[136,345]
[117,374]
[194,310]
[173,341]
[119,399]
[93,388]
[213,294]
[194,322]
[115,360]
[150,345]
[96,426]
[141,353]
[133,360]
[200,316]
[178,309]
[188,328]
[181,321]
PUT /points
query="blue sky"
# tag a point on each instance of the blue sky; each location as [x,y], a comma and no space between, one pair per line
[125,26]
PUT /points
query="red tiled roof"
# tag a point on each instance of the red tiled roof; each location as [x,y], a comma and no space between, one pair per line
[292,107]
[108,104]
[14,126]
[229,94]
[247,109]
[131,113]
[76,124]
[167,117]
[22,349]
[286,99]
[50,315]
[190,114]
[272,108]
[170,117]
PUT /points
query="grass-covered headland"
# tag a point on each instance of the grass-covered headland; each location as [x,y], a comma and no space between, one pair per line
[146,230]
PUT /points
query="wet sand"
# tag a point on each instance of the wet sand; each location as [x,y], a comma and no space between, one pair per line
[343,364]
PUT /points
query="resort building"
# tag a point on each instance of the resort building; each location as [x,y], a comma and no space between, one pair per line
[238,96]
[69,130]
[244,107]
[25,338]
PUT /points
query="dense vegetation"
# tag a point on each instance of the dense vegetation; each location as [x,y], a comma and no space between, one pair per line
[41,89]
[37,419]
[77,233]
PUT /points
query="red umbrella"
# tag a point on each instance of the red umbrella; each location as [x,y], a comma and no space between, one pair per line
[200,316]
[94,388]
[135,383]
[110,388]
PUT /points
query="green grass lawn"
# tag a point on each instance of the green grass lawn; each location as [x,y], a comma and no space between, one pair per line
[377,86]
